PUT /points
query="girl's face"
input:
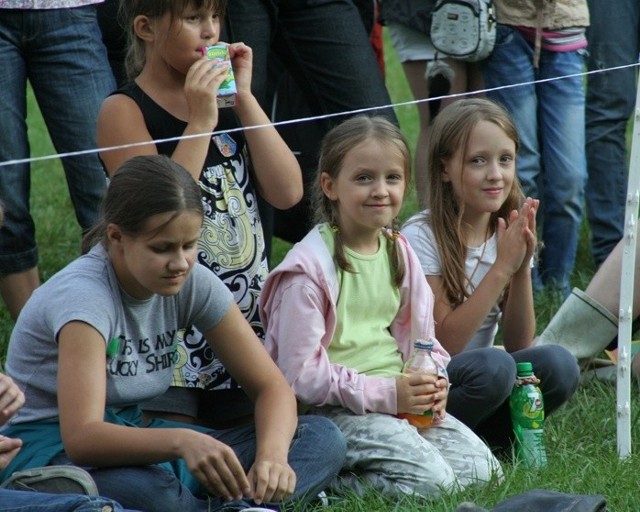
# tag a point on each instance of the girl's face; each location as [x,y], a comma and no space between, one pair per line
[368,189]
[180,40]
[482,176]
[158,260]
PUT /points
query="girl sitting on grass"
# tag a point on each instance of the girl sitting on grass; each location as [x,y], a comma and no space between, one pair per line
[342,312]
[475,245]
[99,338]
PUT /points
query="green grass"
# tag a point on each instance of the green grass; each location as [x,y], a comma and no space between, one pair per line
[581,437]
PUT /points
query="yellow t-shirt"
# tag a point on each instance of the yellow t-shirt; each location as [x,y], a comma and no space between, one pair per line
[368,303]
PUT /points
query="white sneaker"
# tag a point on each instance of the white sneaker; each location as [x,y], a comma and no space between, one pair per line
[323,499]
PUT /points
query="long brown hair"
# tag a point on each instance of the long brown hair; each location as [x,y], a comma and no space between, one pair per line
[450,131]
[335,146]
[142,187]
[154,9]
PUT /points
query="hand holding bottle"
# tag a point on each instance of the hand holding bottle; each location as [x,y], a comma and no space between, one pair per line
[422,393]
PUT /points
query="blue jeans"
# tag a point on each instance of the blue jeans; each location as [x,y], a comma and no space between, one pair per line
[551,161]
[59,51]
[482,380]
[614,40]
[316,455]
[27,501]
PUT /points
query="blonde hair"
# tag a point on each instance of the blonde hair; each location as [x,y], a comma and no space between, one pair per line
[335,146]
[154,9]
[450,131]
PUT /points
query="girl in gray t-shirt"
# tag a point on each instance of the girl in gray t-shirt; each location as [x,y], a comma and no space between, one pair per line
[99,338]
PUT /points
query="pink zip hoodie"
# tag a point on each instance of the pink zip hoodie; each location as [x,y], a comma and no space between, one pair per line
[298,310]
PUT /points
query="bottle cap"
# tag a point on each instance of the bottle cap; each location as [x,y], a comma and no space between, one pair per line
[524,368]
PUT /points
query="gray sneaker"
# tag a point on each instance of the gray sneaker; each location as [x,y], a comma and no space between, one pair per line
[53,479]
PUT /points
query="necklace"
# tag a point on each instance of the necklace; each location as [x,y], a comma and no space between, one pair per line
[475,269]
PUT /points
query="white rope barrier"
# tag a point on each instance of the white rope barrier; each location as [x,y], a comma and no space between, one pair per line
[299,120]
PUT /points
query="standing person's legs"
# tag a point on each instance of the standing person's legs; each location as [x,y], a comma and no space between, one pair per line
[509,65]
[18,251]
[70,75]
[253,22]
[561,121]
[114,38]
[414,71]
[414,50]
[560,211]
[614,40]
[324,45]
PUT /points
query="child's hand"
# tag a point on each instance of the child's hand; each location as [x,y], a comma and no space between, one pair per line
[440,404]
[11,398]
[513,241]
[215,465]
[9,447]
[201,88]
[271,481]
[531,234]
[242,60]
[419,392]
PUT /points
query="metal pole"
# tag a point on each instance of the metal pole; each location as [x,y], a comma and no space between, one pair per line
[625,314]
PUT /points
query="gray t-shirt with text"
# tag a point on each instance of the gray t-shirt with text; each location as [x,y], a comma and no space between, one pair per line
[139,335]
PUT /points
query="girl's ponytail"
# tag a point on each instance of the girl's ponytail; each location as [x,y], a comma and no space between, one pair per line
[396,255]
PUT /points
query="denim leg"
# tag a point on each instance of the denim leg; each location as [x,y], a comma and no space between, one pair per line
[153,487]
[481,380]
[60,52]
[27,501]
[561,121]
[70,75]
[614,40]
[316,454]
[551,161]
[17,236]
[511,64]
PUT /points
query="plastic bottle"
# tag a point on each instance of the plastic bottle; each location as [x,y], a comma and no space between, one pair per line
[527,417]
[420,361]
